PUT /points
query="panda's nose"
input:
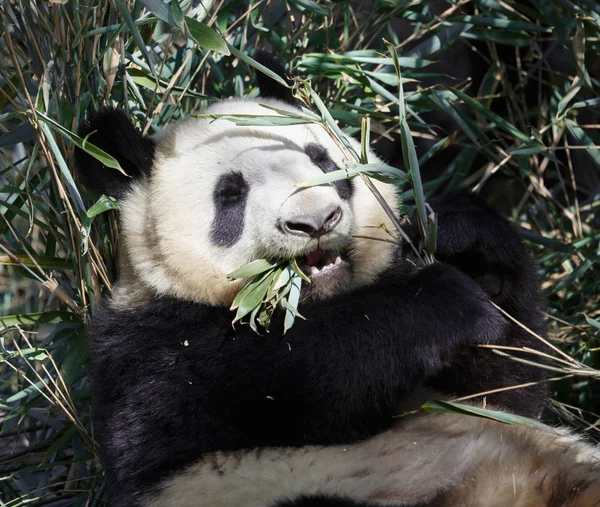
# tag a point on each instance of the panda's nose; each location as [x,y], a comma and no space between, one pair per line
[313,224]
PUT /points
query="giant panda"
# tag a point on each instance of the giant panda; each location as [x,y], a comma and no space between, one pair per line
[192,411]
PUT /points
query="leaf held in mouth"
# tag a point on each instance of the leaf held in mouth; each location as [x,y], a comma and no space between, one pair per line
[268,287]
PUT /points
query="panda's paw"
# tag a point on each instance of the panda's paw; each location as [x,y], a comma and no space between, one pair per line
[455,310]
[474,238]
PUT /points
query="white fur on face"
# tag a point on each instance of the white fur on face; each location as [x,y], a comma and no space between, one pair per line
[457,460]
[167,218]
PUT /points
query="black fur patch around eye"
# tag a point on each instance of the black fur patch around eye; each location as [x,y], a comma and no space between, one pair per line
[229,197]
[319,156]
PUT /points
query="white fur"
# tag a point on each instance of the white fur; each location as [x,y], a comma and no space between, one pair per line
[166,218]
[456,459]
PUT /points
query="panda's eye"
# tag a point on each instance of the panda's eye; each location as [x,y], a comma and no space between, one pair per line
[318,155]
[230,188]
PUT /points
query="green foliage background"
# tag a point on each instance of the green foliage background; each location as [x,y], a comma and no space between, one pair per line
[501,98]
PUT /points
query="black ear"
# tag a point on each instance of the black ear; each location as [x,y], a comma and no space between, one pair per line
[269,88]
[115,134]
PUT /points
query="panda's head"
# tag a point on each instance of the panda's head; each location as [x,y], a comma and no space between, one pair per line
[205,197]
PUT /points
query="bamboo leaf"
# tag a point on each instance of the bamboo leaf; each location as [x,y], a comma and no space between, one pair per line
[205,36]
[253,295]
[253,268]
[253,63]
[133,29]
[291,304]
[30,319]
[84,144]
[103,204]
[409,154]
[252,120]
[449,407]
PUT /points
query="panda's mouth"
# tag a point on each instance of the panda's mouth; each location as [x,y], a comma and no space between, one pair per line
[319,262]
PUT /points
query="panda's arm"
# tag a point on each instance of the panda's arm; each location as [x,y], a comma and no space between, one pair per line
[336,377]
[485,246]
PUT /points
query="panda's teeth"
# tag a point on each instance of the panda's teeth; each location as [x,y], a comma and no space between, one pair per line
[338,260]
[314,270]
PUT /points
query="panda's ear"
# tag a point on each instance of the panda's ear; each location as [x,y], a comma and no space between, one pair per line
[269,88]
[111,130]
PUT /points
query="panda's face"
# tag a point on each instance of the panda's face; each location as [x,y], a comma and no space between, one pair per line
[220,196]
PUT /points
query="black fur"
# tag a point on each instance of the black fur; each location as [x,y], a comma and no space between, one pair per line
[270,88]
[112,131]
[472,237]
[319,156]
[322,501]
[173,380]
[229,197]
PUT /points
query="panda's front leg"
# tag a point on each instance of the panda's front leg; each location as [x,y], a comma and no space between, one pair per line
[475,239]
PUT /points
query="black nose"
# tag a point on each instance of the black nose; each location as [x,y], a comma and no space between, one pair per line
[314,224]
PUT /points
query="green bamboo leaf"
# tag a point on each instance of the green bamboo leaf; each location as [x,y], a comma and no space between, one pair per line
[374,168]
[528,149]
[270,301]
[84,144]
[282,279]
[160,10]
[306,113]
[253,268]
[331,123]
[310,6]
[585,103]
[62,165]
[133,30]
[178,17]
[32,389]
[205,36]
[253,63]
[409,153]
[298,271]
[254,296]
[564,102]
[103,204]
[141,78]
[508,24]
[592,322]
[538,239]
[536,134]
[377,170]
[449,407]
[442,144]
[30,319]
[253,120]
[436,42]
[371,57]
[291,305]
[45,262]
[583,139]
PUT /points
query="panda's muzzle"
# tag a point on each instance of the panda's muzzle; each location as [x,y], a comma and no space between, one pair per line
[323,262]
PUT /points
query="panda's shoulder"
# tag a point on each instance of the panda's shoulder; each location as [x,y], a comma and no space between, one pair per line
[153,327]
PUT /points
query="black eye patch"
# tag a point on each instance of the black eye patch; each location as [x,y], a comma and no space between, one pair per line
[318,155]
[229,198]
